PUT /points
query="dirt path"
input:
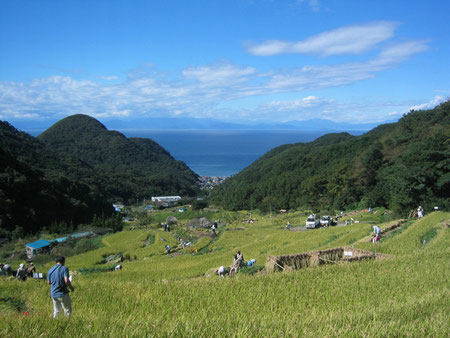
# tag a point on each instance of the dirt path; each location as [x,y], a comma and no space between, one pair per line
[342,224]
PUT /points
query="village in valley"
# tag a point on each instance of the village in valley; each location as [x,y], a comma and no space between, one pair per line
[209,182]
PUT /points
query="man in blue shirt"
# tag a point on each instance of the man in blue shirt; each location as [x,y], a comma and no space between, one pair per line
[58,278]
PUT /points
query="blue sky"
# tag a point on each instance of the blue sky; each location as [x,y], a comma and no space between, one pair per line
[342,60]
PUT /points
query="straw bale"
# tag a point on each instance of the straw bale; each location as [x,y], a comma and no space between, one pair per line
[316,258]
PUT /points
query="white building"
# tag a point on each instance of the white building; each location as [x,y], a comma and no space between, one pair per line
[166,199]
[118,207]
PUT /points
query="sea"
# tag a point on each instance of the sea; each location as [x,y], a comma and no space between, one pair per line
[221,153]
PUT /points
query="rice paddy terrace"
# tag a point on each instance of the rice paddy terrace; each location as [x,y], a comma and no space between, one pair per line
[156,294]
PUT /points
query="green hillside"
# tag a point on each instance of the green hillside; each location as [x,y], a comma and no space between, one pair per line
[128,168]
[179,295]
[36,190]
[77,169]
[400,166]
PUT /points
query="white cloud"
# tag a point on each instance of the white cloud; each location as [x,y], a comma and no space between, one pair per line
[400,51]
[344,40]
[445,91]
[429,105]
[301,109]
[305,102]
[199,91]
[313,4]
[313,107]
[219,74]
[109,78]
[122,113]
[394,113]
[317,77]
[26,116]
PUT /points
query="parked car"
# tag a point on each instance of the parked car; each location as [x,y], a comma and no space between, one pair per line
[326,221]
[312,222]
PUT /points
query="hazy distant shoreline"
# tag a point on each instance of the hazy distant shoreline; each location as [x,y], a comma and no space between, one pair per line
[219,152]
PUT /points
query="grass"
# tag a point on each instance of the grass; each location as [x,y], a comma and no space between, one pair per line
[396,231]
[159,295]
[429,235]
[12,305]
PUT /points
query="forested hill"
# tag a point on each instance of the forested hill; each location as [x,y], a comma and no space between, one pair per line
[399,165]
[35,192]
[129,168]
[77,169]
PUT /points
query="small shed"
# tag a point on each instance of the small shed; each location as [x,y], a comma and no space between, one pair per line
[37,247]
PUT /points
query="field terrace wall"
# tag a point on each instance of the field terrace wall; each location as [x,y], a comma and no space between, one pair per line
[316,258]
[386,231]
[392,227]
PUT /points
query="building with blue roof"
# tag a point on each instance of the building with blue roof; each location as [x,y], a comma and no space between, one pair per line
[43,245]
[60,240]
[36,247]
[82,234]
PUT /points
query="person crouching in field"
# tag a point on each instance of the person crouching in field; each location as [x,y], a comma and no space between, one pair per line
[376,231]
[58,278]
[21,273]
[6,269]
[30,270]
[222,271]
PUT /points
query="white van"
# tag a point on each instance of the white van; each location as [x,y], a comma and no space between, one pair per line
[325,221]
[312,222]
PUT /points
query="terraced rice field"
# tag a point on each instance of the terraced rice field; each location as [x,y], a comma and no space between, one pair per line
[179,295]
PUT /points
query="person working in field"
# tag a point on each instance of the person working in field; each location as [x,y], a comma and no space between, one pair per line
[222,271]
[21,273]
[58,278]
[237,262]
[240,257]
[376,231]
[235,266]
[420,212]
[7,270]
[30,270]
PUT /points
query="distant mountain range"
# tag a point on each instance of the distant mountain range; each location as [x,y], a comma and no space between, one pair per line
[186,123]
